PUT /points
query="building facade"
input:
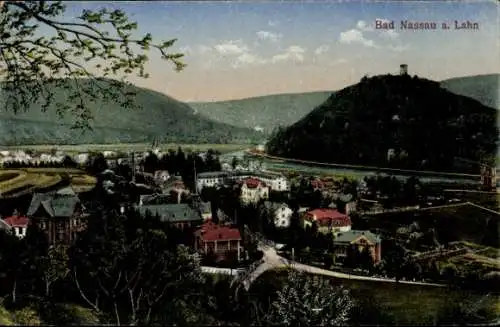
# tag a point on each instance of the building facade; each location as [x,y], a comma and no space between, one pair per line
[276,182]
[59,214]
[328,220]
[17,224]
[281,213]
[360,240]
[253,190]
[221,242]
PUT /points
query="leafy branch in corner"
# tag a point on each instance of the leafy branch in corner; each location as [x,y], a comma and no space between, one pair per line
[81,57]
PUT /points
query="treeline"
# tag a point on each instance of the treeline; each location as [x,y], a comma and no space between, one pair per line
[67,162]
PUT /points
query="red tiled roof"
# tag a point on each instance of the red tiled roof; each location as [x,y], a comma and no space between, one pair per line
[17,221]
[253,182]
[329,217]
[213,232]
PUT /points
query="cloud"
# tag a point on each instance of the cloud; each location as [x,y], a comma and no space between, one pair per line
[355,36]
[292,53]
[398,48]
[363,26]
[247,58]
[273,23]
[321,49]
[390,34]
[268,36]
[236,47]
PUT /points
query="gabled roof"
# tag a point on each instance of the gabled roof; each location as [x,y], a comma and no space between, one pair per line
[60,203]
[17,221]
[172,212]
[273,206]
[211,232]
[352,235]
[253,182]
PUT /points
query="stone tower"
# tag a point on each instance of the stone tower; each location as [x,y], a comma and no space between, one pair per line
[403,69]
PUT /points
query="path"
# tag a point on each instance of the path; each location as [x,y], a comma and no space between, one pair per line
[272,260]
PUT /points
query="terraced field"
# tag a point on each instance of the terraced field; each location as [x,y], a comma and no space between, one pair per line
[18,182]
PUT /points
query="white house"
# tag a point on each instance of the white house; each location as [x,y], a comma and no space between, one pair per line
[210,179]
[18,224]
[275,181]
[281,213]
[253,190]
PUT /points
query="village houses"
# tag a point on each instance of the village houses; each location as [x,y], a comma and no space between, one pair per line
[253,190]
[328,220]
[280,212]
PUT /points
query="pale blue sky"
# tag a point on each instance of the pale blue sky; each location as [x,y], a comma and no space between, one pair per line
[241,49]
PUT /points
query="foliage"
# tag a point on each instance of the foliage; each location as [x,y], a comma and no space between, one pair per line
[101,39]
[127,267]
[173,122]
[267,112]
[361,123]
[310,301]
[54,265]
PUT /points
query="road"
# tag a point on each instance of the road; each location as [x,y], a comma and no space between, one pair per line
[272,260]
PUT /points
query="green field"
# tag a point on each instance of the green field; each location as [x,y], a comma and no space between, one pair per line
[18,182]
[223,148]
[405,304]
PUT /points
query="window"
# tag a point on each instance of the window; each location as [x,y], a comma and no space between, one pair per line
[20,230]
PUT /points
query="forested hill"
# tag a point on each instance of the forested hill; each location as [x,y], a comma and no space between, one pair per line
[415,121]
[158,116]
[265,112]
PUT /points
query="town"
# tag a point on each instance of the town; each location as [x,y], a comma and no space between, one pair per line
[314,164]
[232,211]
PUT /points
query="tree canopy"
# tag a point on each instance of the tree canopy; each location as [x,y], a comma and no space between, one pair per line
[40,50]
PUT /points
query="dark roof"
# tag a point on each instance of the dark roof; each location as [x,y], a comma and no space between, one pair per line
[352,235]
[273,206]
[60,203]
[172,212]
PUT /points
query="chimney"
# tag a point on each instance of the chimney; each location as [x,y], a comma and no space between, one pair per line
[403,69]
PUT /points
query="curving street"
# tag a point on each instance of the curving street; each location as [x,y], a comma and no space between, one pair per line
[272,260]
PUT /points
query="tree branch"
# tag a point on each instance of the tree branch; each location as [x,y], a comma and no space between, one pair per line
[94,306]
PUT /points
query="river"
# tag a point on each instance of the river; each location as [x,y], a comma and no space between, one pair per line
[271,165]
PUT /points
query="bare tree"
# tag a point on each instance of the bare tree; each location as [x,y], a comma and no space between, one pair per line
[40,52]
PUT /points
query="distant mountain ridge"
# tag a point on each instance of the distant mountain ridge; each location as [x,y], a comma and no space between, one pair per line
[483,88]
[271,111]
[264,112]
[159,117]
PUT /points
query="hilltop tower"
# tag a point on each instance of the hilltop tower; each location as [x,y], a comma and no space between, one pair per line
[403,69]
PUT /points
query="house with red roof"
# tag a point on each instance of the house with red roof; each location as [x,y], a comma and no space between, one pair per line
[18,224]
[218,240]
[328,220]
[253,190]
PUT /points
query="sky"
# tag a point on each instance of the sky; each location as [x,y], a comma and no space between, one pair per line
[242,49]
